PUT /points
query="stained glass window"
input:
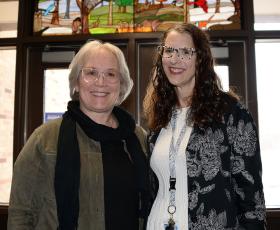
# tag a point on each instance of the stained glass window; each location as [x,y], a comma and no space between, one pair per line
[55,17]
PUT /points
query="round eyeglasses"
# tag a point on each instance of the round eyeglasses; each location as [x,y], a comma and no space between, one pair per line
[169,52]
[90,75]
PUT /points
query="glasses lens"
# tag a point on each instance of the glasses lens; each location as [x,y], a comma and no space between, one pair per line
[186,53]
[168,52]
[89,74]
[111,76]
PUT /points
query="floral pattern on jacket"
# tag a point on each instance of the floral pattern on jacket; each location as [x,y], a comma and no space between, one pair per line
[224,174]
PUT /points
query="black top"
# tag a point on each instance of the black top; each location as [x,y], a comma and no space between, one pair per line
[121,202]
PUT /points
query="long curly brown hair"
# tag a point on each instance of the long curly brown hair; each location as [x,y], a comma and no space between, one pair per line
[208,101]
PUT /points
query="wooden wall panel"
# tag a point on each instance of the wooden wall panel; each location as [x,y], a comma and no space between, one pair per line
[145,59]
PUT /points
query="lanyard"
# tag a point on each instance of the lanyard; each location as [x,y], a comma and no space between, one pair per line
[173,152]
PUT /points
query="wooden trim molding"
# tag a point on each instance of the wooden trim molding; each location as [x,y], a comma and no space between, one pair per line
[273,219]
[3,216]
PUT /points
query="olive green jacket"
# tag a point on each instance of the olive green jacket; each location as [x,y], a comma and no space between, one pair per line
[32,201]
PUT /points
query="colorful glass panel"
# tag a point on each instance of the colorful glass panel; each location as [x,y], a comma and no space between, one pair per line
[55,17]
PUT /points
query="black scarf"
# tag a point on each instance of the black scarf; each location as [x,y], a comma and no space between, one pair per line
[67,169]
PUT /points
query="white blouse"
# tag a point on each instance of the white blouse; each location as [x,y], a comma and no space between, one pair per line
[160,165]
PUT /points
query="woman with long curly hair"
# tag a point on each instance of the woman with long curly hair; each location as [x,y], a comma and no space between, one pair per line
[204,148]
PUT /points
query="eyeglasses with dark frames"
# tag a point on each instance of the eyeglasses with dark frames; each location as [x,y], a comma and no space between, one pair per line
[168,52]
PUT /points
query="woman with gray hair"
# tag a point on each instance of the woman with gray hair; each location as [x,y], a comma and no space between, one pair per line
[88,169]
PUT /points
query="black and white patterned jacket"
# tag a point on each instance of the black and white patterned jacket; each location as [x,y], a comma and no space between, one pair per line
[224,170]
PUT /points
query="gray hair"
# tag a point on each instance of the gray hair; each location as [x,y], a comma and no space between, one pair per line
[84,53]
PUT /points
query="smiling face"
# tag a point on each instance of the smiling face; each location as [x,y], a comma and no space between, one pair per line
[180,71]
[99,96]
